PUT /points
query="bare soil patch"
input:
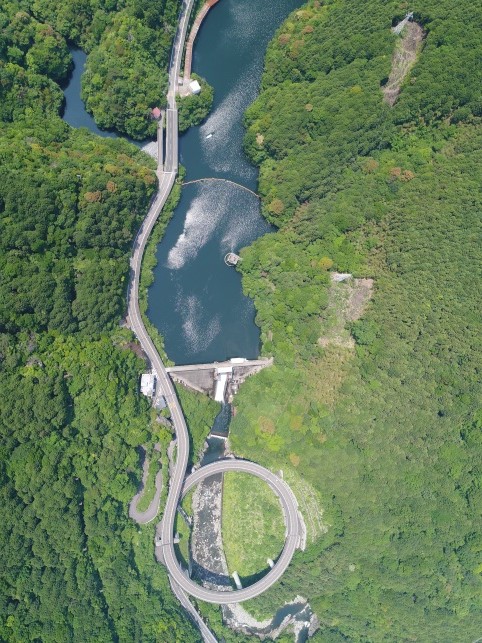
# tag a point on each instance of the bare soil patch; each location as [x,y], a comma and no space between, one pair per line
[406,53]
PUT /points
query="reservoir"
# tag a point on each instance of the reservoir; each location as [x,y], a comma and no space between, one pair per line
[196,301]
[74,112]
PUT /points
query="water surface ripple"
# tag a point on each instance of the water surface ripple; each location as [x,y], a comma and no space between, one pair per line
[196,301]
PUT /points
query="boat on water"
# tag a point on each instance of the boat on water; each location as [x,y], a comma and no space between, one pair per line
[210,134]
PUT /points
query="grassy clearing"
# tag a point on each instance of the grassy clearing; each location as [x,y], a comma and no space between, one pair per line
[253,525]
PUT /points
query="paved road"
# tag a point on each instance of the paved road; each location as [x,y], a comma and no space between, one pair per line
[190,609]
[210,367]
[144,517]
[292,535]
[165,387]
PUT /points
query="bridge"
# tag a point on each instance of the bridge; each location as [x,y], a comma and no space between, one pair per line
[219,380]
[164,386]
[293,534]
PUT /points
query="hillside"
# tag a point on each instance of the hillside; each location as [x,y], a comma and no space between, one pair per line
[385,431]
[74,567]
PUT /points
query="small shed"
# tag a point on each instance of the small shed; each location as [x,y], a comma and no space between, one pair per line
[156,113]
[161,402]
[195,87]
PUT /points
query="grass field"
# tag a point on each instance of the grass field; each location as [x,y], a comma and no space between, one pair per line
[252,525]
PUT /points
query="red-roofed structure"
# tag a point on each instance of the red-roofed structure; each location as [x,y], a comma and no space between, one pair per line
[156,113]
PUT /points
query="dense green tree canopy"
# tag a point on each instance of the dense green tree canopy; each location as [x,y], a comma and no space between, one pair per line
[69,205]
[386,429]
[382,432]
[74,567]
[128,46]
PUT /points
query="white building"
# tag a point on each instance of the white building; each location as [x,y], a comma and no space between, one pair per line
[195,87]
[148,384]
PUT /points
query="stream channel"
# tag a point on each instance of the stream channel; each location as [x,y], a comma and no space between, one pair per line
[196,301]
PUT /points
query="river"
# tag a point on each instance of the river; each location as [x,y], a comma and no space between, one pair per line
[196,301]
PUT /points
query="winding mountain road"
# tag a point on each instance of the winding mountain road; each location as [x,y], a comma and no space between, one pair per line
[164,386]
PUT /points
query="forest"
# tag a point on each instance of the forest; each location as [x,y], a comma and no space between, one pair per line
[128,46]
[383,431]
[74,567]
[384,428]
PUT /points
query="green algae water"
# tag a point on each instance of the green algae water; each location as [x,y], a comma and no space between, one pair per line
[196,301]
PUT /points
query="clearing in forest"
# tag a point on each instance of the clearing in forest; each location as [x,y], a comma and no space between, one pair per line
[406,52]
[347,300]
[253,527]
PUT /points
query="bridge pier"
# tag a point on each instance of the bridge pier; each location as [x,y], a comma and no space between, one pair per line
[237,580]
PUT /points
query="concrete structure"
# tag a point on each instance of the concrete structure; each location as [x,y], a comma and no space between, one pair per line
[237,580]
[194,87]
[221,375]
[206,378]
[232,259]
[160,144]
[148,384]
[292,534]
[192,37]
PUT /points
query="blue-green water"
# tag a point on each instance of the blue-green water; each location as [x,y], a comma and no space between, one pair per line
[196,301]
[75,113]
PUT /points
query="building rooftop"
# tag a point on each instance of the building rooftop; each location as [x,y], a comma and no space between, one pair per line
[148,382]
[195,87]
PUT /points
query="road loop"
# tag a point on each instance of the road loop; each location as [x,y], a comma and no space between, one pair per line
[292,537]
